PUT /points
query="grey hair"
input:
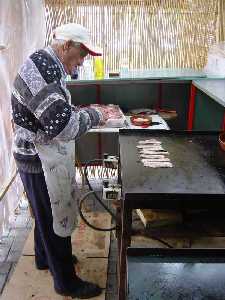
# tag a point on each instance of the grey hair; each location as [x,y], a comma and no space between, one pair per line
[57,42]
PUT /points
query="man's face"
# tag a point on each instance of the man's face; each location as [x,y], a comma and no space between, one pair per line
[73,56]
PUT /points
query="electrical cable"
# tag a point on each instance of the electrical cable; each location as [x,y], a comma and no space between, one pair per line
[83,217]
[161,241]
[92,192]
[91,189]
[105,207]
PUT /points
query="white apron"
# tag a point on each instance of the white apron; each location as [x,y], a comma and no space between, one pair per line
[58,163]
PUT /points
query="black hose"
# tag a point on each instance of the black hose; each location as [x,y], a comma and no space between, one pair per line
[91,189]
[98,199]
[161,241]
[105,207]
[85,220]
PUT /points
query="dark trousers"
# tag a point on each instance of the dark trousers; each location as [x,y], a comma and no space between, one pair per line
[50,249]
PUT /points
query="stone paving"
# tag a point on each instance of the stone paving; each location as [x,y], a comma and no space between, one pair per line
[11,246]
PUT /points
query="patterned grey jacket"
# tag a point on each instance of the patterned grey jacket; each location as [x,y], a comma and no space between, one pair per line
[42,111]
[45,125]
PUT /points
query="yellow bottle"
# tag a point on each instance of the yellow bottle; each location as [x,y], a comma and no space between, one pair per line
[99,68]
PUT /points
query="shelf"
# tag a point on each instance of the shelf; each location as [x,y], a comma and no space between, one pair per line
[213,88]
[155,118]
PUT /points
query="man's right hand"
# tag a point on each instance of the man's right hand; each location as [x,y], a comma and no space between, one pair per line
[108,112]
[104,113]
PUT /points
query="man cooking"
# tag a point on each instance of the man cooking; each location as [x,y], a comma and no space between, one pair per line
[46,125]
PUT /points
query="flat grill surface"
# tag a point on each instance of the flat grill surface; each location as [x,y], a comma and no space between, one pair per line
[198,164]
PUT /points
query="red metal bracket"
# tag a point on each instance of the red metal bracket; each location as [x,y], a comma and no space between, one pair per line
[159,100]
[191,109]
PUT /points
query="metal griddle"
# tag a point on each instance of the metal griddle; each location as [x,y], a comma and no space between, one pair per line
[198,170]
[176,274]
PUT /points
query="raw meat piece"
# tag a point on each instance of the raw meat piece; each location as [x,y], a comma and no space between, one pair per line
[158,164]
[111,111]
[150,156]
[154,152]
[151,141]
[113,114]
[150,147]
[146,160]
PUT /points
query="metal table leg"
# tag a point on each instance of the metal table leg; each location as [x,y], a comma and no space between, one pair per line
[126,218]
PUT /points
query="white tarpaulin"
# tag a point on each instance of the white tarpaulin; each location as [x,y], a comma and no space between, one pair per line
[22,30]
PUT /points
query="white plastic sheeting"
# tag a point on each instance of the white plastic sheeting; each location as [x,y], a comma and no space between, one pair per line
[216,60]
[22,31]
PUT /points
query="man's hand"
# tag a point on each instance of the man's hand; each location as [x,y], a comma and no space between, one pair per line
[108,112]
[105,115]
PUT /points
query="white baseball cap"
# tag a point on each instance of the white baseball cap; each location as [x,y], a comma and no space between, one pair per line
[76,33]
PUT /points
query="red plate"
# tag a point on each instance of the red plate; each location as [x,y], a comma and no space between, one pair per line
[140,120]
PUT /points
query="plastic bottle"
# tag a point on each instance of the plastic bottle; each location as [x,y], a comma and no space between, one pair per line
[124,67]
[99,68]
[74,74]
[88,69]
